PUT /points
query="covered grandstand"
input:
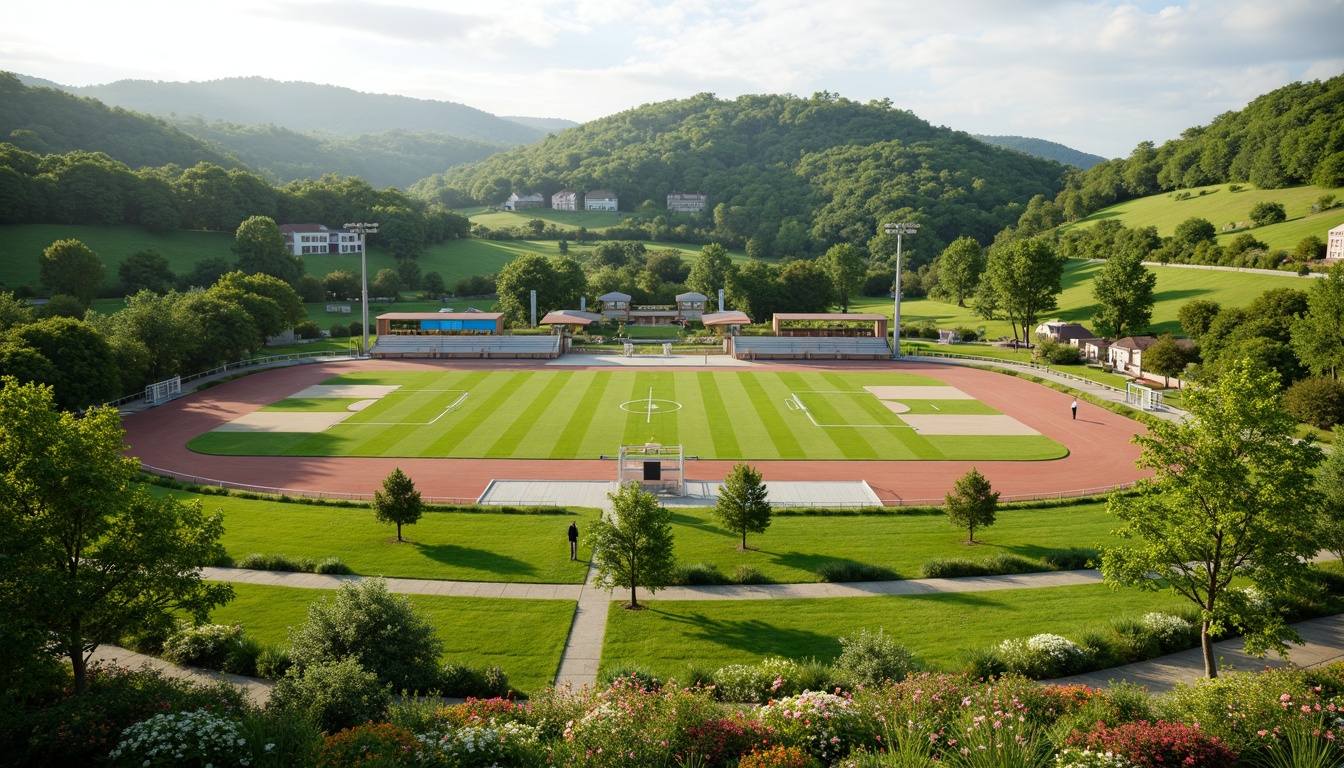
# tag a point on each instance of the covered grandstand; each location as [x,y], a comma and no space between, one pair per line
[456,335]
[817,336]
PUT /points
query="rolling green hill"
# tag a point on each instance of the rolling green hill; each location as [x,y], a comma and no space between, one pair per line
[1222,207]
[1049,150]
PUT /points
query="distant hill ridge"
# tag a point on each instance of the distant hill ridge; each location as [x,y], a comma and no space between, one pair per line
[1048,150]
[301,106]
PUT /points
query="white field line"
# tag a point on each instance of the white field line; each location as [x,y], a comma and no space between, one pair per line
[934,407]
[445,412]
[648,415]
[812,419]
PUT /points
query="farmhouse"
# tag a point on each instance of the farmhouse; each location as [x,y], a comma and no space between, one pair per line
[689,306]
[1334,244]
[565,200]
[687,202]
[306,239]
[1126,355]
[599,200]
[1062,332]
[517,202]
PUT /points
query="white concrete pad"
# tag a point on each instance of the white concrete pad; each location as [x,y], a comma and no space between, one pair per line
[284,421]
[698,493]
[352,391]
[950,424]
[675,361]
[939,392]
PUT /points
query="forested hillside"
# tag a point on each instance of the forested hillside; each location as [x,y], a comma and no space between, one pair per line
[1049,150]
[48,121]
[395,158]
[1293,135]
[785,176]
[307,107]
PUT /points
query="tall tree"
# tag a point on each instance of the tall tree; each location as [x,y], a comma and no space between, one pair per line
[271,303]
[1025,276]
[88,551]
[633,544]
[846,269]
[959,268]
[1330,514]
[1123,289]
[146,269]
[260,246]
[558,283]
[85,369]
[1318,335]
[1196,317]
[1225,503]
[1165,358]
[743,506]
[971,503]
[72,268]
[397,502]
[710,270]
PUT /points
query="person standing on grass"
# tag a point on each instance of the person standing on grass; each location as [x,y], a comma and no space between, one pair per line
[1074,407]
[574,540]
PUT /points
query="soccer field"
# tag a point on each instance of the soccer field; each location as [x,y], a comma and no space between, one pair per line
[585,414]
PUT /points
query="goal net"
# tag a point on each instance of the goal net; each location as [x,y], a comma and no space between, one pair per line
[1144,397]
[163,391]
[657,468]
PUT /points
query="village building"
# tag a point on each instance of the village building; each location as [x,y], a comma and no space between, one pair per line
[1334,244]
[599,200]
[687,202]
[517,202]
[565,200]
[313,239]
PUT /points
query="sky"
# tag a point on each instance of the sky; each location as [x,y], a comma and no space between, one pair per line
[1097,76]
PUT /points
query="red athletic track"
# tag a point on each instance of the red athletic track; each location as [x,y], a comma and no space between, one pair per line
[1100,452]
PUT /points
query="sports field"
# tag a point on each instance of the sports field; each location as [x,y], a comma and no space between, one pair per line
[584,414]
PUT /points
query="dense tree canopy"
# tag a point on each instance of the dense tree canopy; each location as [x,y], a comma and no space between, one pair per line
[71,268]
[1123,289]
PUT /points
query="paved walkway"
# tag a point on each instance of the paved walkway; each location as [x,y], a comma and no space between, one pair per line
[258,691]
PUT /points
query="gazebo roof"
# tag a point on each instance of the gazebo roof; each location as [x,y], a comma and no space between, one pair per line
[692,296]
[614,296]
[570,317]
[726,318]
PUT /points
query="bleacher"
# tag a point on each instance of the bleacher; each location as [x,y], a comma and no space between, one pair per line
[486,347]
[810,348]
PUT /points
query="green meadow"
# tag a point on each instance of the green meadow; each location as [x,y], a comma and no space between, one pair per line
[671,635]
[565,414]
[523,637]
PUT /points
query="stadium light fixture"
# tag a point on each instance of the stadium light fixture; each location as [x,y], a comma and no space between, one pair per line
[363,228]
[898,229]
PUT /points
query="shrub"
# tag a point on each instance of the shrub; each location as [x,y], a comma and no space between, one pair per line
[1318,401]
[182,738]
[484,745]
[826,725]
[477,711]
[307,329]
[696,675]
[205,645]
[1071,559]
[872,659]
[339,331]
[748,575]
[1172,633]
[837,571]
[750,683]
[1070,757]
[333,695]
[273,662]
[366,745]
[1159,743]
[280,740]
[1265,213]
[332,565]
[699,574]
[630,674]
[380,630]
[1043,656]
[720,741]
[958,567]
[260,562]
[1234,707]
[622,725]
[985,664]
[460,680]
[1134,640]
[1100,645]
[778,756]
[242,656]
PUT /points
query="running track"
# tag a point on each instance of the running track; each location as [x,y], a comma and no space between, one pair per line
[1100,451]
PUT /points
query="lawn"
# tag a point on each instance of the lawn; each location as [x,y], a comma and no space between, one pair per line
[454,546]
[564,414]
[525,638]
[22,245]
[938,628]
[1175,287]
[1221,206]
[793,548]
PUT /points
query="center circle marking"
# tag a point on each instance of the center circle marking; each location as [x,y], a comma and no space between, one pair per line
[650,406]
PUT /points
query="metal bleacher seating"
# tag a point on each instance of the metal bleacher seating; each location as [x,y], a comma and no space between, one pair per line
[810,348]
[466,346]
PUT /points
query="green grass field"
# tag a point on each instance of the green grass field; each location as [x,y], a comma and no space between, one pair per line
[938,628]
[795,547]
[455,546]
[1221,206]
[584,414]
[524,637]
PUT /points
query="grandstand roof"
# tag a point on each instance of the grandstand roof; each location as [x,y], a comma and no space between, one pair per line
[830,316]
[441,316]
[570,317]
[726,318]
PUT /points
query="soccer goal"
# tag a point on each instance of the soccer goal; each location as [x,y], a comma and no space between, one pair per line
[1145,398]
[657,468]
[947,337]
[163,391]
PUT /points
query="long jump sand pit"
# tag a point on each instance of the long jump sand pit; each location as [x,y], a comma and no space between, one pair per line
[918,393]
[284,421]
[953,424]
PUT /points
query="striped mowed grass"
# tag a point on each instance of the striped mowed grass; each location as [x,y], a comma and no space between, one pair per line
[583,414]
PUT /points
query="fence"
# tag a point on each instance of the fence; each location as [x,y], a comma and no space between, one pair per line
[292,492]
[1078,493]
[921,352]
[254,362]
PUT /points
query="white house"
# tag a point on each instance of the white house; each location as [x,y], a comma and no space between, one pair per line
[565,200]
[599,200]
[517,202]
[1334,243]
[306,239]
[687,202]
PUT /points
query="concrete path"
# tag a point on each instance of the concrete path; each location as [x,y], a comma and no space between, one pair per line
[1324,644]
[583,646]
[258,691]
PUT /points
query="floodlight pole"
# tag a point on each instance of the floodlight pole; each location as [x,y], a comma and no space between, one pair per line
[898,229]
[364,228]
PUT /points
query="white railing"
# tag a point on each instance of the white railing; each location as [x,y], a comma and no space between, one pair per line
[296,492]
[252,362]
[1044,367]
[1078,493]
